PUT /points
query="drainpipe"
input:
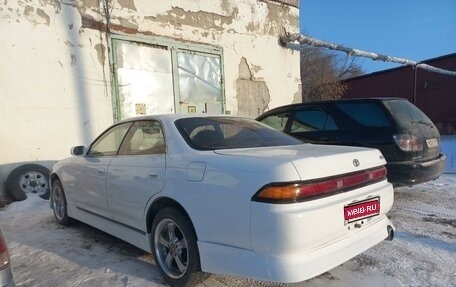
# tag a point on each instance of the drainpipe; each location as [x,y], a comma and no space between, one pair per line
[414,84]
[415,68]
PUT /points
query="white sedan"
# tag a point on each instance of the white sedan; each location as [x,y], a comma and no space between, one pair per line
[227,195]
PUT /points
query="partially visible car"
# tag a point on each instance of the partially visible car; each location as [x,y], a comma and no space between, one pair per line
[6,275]
[407,138]
[227,195]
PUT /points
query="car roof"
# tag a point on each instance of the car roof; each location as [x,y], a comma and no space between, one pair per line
[171,117]
[330,102]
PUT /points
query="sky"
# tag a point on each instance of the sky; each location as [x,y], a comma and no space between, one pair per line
[412,29]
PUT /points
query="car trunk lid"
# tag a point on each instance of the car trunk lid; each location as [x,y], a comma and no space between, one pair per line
[317,161]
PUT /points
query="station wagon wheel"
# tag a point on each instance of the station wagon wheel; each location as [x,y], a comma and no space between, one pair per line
[175,249]
[59,204]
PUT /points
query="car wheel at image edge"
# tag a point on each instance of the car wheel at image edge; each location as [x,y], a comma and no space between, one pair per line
[28,179]
[59,204]
[175,250]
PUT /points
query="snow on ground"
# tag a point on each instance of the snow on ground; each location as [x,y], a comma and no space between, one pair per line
[448,147]
[422,254]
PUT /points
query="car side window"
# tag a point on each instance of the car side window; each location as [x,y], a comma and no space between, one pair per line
[109,142]
[312,120]
[144,137]
[277,121]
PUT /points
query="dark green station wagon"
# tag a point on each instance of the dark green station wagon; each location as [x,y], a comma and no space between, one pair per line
[408,139]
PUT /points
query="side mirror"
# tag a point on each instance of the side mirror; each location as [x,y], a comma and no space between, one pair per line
[78,150]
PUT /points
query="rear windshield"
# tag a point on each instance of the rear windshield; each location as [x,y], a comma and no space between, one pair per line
[368,114]
[209,133]
[405,113]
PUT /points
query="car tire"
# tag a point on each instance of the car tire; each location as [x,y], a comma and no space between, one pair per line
[28,179]
[175,250]
[59,204]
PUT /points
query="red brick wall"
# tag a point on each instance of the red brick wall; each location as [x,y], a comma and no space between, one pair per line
[433,93]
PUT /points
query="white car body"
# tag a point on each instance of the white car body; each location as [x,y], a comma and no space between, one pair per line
[235,235]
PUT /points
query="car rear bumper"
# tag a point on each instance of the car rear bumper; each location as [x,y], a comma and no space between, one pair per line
[295,242]
[294,267]
[410,173]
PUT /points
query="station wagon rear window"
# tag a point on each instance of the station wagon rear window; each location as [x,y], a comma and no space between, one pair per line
[406,113]
[367,114]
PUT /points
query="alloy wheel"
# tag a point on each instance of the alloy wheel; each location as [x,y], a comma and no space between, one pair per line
[58,203]
[171,248]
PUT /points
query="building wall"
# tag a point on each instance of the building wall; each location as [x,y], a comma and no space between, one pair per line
[432,92]
[56,88]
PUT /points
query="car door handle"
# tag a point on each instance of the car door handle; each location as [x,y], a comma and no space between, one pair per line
[100,170]
[153,175]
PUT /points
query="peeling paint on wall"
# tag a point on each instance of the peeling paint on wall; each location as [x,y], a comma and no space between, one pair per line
[129,4]
[91,4]
[73,60]
[297,97]
[100,48]
[225,4]
[256,68]
[279,17]
[280,14]
[43,15]
[40,17]
[54,3]
[28,10]
[252,95]
[177,17]
[129,24]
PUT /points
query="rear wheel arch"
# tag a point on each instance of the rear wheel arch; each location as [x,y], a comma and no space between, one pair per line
[161,203]
[175,245]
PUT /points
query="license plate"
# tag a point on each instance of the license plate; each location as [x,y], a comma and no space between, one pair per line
[360,210]
[432,142]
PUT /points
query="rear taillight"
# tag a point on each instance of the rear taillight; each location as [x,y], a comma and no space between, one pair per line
[4,256]
[308,190]
[408,142]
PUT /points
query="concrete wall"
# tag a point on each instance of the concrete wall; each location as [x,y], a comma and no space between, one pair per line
[55,79]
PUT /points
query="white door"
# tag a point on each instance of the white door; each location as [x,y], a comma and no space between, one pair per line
[136,173]
[88,187]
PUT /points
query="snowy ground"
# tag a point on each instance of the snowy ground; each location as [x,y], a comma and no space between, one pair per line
[449,149]
[422,254]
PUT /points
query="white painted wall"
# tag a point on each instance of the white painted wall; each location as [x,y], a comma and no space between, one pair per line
[55,93]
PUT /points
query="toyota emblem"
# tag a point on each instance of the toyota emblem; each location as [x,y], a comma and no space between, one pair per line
[356,162]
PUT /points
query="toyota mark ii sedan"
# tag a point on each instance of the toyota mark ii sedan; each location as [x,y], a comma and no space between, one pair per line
[227,195]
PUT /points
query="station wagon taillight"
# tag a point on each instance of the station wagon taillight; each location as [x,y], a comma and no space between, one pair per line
[309,190]
[4,256]
[408,142]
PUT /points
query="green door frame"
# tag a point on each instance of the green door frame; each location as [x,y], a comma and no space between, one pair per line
[175,47]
